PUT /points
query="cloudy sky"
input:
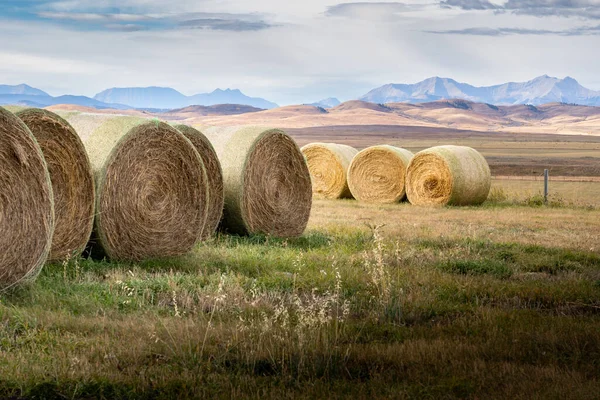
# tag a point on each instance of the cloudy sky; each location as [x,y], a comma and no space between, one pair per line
[293,51]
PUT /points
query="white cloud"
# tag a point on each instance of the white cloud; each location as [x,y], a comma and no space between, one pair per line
[27,63]
[304,57]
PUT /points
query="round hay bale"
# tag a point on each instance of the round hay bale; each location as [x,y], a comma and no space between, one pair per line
[214,174]
[26,203]
[266,181]
[453,175]
[14,108]
[377,174]
[151,188]
[328,165]
[72,181]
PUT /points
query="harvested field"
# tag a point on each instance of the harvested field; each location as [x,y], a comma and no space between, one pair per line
[373,301]
[507,153]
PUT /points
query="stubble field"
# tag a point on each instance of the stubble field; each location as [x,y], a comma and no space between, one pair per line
[396,301]
[498,301]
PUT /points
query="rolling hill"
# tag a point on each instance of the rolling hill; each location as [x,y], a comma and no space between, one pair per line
[455,114]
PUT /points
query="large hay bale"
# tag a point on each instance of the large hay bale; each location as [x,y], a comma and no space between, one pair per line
[453,175]
[151,187]
[328,165]
[266,181]
[14,108]
[214,174]
[72,181]
[26,203]
[377,174]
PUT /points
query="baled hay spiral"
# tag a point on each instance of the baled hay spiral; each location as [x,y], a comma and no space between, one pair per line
[377,174]
[72,181]
[452,175]
[328,165]
[214,174]
[151,188]
[26,203]
[267,184]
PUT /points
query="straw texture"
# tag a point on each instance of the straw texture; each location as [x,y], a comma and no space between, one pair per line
[328,165]
[453,175]
[377,174]
[72,181]
[151,187]
[214,175]
[26,203]
[266,181]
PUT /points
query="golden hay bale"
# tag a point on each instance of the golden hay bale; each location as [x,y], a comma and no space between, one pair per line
[376,174]
[453,175]
[328,165]
[151,187]
[26,203]
[266,181]
[72,181]
[214,174]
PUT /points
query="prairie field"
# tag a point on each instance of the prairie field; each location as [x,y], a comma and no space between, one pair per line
[373,301]
[515,154]
[497,301]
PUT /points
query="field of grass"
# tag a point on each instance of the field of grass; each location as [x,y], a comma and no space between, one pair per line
[563,193]
[498,301]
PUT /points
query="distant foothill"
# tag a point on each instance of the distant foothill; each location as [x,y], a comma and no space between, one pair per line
[541,90]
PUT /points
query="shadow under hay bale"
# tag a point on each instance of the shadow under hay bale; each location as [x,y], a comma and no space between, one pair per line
[26,203]
[377,174]
[151,187]
[214,174]
[448,175]
[72,181]
[266,180]
[328,165]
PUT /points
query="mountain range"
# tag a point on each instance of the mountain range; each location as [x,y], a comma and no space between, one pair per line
[541,90]
[154,98]
[26,95]
[168,98]
[327,103]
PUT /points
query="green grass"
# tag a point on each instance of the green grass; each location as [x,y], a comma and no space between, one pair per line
[339,312]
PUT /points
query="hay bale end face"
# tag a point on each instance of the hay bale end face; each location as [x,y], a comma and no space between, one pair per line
[214,175]
[448,175]
[266,181]
[328,165]
[72,181]
[26,203]
[151,185]
[377,174]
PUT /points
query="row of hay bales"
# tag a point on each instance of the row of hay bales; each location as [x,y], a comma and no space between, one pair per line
[442,175]
[130,189]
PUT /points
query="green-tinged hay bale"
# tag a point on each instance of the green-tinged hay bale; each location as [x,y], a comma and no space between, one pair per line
[72,181]
[328,165]
[151,187]
[377,174]
[266,181]
[453,175]
[26,203]
[214,174]
[14,108]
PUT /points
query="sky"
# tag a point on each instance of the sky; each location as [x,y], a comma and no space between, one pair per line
[293,52]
